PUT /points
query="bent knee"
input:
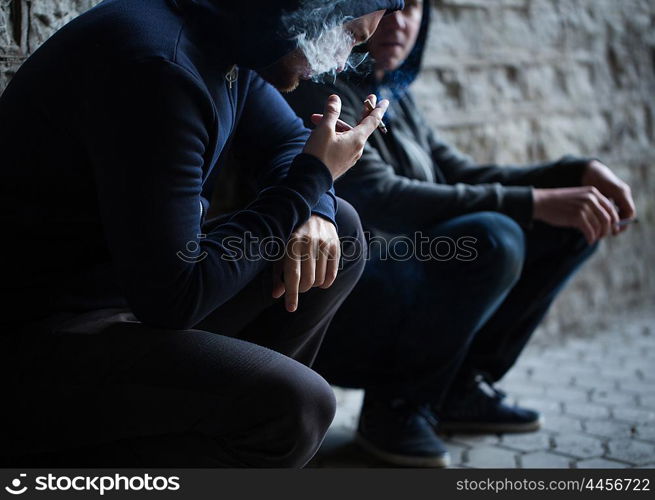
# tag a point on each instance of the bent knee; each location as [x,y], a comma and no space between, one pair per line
[308,406]
[501,241]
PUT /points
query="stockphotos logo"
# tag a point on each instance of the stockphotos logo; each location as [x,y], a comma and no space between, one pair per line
[95,484]
[17,487]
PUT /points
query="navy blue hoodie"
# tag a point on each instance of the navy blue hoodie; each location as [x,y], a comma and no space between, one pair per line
[110,132]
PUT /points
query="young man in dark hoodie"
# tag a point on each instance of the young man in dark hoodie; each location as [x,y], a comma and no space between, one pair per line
[135,331]
[428,335]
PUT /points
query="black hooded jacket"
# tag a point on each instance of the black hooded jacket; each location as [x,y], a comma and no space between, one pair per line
[111,132]
[409,180]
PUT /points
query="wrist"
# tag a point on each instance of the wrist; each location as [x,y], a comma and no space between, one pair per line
[538,196]
[588,173]
[595,173]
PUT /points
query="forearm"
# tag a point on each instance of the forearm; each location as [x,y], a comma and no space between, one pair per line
[280,136]
[566,172]
[399,204]
[164,285]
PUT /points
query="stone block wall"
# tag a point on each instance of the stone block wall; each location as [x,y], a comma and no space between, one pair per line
[514,81]
[521,81]
[25,24]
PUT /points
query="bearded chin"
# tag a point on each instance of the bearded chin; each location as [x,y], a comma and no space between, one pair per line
[281,76]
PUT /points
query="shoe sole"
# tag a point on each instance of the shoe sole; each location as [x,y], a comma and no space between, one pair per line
[491,427]
[402,460]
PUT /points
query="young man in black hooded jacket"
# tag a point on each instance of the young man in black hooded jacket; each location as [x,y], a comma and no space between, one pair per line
[136,331]
[439,317]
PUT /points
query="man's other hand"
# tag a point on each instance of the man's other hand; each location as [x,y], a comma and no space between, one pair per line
[595,208]
[608,183]
[335,143]
[584,208]
[311,260]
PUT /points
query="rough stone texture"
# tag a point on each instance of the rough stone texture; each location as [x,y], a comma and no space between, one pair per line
[520,81]
[10,50]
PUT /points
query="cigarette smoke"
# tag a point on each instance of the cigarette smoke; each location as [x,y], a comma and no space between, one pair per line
[323,38]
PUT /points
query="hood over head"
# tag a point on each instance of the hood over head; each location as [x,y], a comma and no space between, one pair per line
[256,33]
[397,82]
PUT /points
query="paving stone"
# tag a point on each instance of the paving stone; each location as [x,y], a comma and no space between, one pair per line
[563,423]
[624,376]
[524,388]
[646,400]
[474,439]
[544,460]
[456,451]
[596,382]
[564,356]
[552,378]
[609,428]
[635,415]
[631,451]
[571,394]
[532,441]
[580,369]
[578,445]
[600,463]
[592,352]
[645,370]
[613,397]
[490,457]
[646,432]
[638,387]
[586,410]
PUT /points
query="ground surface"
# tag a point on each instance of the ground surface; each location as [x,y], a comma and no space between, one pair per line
[597,394]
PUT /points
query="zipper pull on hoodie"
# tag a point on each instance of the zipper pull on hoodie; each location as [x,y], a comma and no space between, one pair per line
[232,75]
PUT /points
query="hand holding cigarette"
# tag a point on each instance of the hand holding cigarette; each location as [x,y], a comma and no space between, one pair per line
[342,126]
[338,145]
[627,222]
[370,107]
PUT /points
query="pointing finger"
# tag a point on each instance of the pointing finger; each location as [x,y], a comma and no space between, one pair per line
[373,99]
[372,121]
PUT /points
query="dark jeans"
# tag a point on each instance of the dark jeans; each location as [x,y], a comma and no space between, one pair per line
[411,328]
[234,391]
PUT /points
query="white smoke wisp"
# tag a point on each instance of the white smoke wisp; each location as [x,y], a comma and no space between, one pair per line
[327,51]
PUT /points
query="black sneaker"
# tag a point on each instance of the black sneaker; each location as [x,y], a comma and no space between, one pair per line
[482,408]
[401,434]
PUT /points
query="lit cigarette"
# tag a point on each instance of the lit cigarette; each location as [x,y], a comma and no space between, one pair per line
[369,108]
[627,222]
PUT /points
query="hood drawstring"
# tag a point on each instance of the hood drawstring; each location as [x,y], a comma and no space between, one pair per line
[232,75]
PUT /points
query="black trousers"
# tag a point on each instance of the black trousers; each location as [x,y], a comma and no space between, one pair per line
[430,325]
[235,391]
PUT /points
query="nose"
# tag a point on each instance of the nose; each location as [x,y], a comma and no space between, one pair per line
[398,19]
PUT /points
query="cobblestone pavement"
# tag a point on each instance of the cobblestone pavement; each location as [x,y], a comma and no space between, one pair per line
[597,395]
